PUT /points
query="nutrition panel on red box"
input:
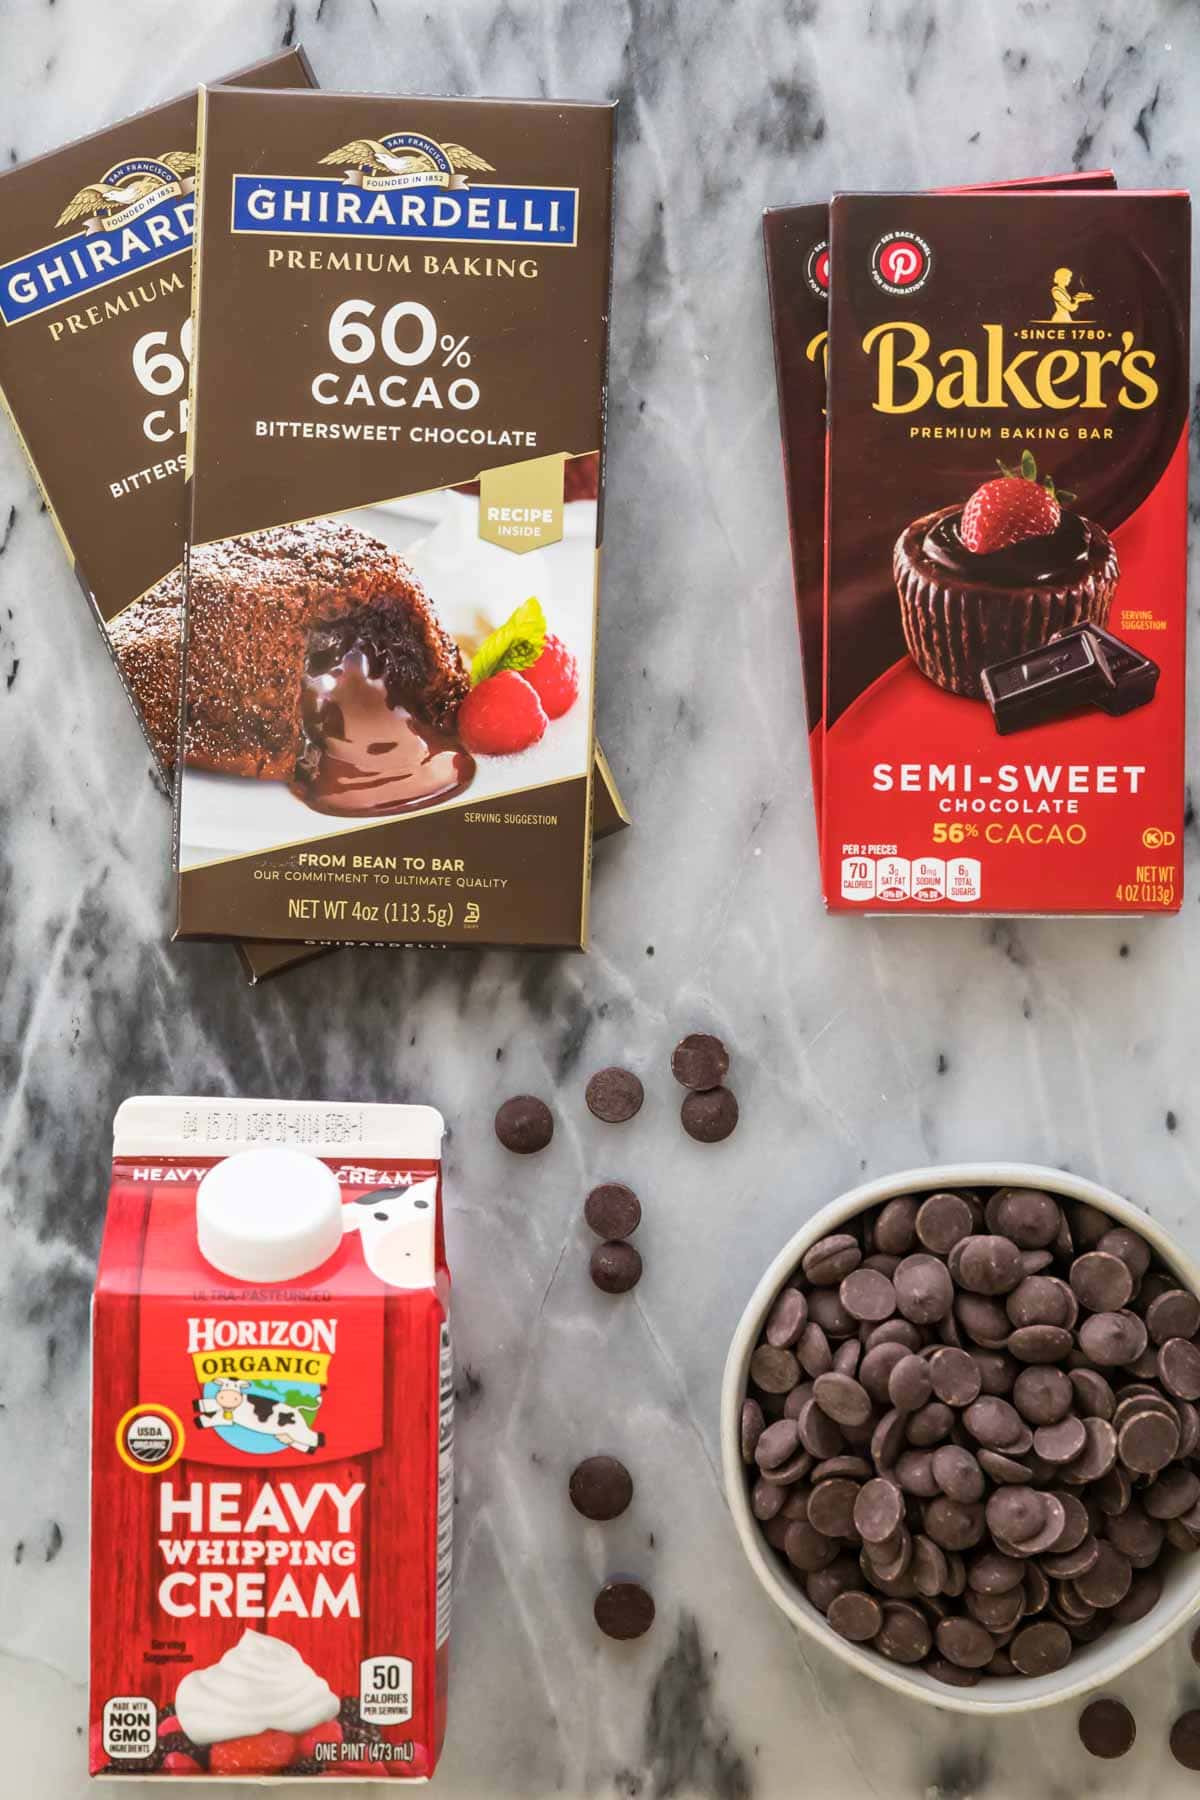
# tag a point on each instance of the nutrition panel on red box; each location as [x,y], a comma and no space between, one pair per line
[892,879]
[883,877]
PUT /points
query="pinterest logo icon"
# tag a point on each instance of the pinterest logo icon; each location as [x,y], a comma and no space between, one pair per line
[900,262]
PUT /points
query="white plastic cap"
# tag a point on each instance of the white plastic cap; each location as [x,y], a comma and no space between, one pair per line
[268,1215]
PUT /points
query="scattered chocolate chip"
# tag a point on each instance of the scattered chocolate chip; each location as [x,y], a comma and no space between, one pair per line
[612,1210]
[616,1267]
[623,1609]
[524,1124]
[615,1095]
[600,1487]
[710,1115]
[1185,1739]
[1106,1729]
[700,1061]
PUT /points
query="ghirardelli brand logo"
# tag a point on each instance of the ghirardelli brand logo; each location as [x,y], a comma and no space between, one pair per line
[406,159]
[129,189]
[260,1382]
[405,185]
[136,213]
[1060,362]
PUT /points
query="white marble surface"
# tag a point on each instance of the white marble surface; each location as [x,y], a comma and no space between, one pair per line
[858,1047]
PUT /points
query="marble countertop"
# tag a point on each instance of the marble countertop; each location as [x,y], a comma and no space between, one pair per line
[858,1047]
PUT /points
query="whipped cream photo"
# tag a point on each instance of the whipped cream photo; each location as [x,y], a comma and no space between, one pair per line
[260,1684]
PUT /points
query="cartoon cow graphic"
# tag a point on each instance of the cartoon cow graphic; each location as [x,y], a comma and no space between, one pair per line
[396,1226]
[235,1403]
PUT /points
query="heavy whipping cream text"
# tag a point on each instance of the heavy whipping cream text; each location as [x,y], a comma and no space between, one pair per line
[212,1527]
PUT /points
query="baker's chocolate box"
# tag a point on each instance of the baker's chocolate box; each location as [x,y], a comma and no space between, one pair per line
[796,249]
[396,514]
[1005,558]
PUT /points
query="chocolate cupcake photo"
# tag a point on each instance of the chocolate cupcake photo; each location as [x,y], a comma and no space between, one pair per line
[999,575]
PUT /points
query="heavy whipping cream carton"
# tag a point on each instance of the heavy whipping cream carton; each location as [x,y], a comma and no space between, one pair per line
[271,1443]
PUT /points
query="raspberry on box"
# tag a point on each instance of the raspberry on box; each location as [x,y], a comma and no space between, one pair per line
[554,677]
[502,716]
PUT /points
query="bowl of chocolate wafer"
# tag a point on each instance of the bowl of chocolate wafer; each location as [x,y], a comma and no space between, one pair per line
[961,1434]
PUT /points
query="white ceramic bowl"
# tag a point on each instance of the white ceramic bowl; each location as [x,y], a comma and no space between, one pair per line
[1092,1665]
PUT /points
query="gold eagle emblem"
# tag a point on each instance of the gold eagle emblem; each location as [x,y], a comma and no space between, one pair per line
[370,156]
[99,199]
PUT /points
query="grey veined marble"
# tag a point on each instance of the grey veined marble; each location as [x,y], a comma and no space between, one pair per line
[858,1047]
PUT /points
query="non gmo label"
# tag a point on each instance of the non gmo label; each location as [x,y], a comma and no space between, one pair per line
[130,1728]
[386,1690]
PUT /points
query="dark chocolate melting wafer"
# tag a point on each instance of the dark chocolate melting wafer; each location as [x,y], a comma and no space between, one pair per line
[709,1115]
[600,1487]
[615,1095]
[623,1609]
[524,1124]
[700,1061]
[1106,1729]
[613,1210]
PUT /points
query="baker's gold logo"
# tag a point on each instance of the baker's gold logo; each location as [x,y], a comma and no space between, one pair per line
[992,378]
[406,159]
[129,189]
[1065,303]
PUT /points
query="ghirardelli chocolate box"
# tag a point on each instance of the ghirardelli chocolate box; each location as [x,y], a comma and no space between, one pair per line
[397,421]
[95,338]
[272,1444]
[1005,553]
[95,341]
[796,246]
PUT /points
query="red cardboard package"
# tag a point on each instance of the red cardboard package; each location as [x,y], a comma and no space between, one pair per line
[1005,552]
[271,1443]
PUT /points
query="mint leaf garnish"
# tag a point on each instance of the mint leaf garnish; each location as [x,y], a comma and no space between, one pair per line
[516,644]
